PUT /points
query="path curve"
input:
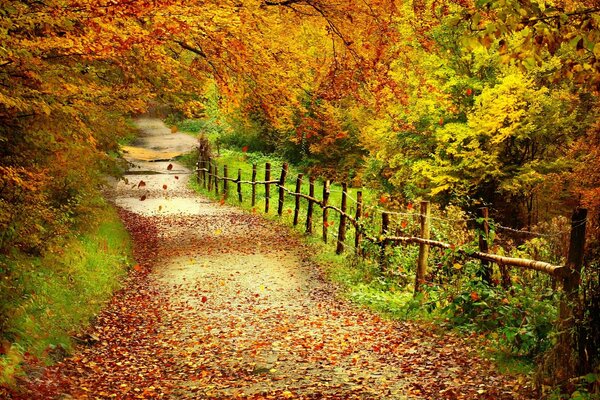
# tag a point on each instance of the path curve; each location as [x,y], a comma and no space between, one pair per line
[225,304]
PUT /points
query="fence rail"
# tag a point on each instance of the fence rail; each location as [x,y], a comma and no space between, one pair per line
[208,176]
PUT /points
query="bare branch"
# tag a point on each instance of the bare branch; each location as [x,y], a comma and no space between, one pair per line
[198,51]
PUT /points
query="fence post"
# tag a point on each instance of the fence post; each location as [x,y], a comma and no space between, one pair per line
[201,160]
[423,248]
[284,171]
[209,167]
[204,173]
[297,205]
[576,247]
[505,276]
[484,234]
[570,298]
[309,211]
[385,229]
[225,182]
[199,167]
[216,177]
[239,185]
[358,231]
[342,228]
[267,186]
[253,185]
[325,209]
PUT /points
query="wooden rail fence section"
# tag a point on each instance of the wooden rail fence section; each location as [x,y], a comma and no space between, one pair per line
[209,178]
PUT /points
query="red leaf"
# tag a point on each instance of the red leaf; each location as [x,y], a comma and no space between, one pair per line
[222,201]
[164,187]
[170,167]
[383,199]
[141,184]
[469,92]
[441,121]
[137,267]
[244,149]
[404,224]
[143,198]
[409,206]
[474,296]
[204,299]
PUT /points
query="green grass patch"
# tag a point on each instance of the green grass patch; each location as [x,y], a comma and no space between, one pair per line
[46,299]
[129,134]
[508,364]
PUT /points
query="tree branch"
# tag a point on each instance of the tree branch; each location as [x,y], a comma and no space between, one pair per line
[195,50]
[282,3]
[558,15]
[201,53]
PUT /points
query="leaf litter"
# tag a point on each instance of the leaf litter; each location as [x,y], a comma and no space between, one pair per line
[223,304]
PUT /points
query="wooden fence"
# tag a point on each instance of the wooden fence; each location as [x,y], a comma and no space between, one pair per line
[568,275]
[209,178]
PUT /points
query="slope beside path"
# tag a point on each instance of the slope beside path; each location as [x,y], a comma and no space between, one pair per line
[225,304]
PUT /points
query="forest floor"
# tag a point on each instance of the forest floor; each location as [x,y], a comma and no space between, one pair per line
[225,304]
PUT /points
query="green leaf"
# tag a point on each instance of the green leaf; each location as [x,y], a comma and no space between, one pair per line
[530,63]
[482,3]
[591,378]
[597,50]
[575,42]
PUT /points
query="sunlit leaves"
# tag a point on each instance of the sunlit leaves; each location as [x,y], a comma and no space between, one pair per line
[529,33]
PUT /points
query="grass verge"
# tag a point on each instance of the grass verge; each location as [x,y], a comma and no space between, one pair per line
[47,298]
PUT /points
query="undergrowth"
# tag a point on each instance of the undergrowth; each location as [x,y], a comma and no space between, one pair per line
[47,298]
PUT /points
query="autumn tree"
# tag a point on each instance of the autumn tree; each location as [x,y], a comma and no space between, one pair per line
[459,102]
[70,72]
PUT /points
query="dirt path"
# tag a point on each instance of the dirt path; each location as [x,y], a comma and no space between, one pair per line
[226,305]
